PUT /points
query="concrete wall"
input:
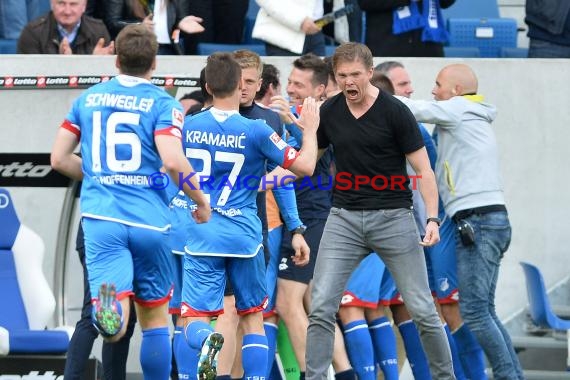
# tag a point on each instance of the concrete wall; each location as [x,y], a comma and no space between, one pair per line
[532,128]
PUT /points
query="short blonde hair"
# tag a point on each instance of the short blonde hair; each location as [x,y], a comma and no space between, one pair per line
[248,59]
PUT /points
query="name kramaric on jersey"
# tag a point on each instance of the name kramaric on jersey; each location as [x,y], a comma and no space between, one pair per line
[217,139]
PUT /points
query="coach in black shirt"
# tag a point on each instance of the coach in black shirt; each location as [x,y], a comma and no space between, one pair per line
[373,135]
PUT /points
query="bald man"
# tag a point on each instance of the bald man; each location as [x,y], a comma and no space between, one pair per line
[470,185]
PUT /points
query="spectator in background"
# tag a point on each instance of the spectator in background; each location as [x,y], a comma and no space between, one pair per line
[223,20]
[15,14]
[405,28]
[66,30]
[165,17]
[96,8]
[288,27]
[548,28]
[344,29]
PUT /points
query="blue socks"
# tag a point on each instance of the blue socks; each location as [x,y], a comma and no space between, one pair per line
[254,356]
[470,353]
[360,350]
[186,357]
[196,333]
[385,348]
[271,334]
[457,367]
[414,350]
[156,353]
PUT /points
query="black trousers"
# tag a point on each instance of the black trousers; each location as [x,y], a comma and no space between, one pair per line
[223,19]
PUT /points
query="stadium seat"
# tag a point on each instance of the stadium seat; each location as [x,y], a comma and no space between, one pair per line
[8,46]
[330,49]
[45,6]
[472,9]
[513,52]
[209,48]
[249,22]
[461,52]
[489,35]
[25,295]
[539,306]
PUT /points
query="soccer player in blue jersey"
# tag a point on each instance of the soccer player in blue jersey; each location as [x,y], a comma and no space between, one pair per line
[230,152]
[128,129]
[227,323]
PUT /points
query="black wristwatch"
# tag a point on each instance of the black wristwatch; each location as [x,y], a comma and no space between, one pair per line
[299,230]
[434,219]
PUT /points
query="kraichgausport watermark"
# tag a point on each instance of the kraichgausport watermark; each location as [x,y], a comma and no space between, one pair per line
[342,181]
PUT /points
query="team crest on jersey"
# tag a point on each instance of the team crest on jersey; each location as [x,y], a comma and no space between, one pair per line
[278,141]
[177,118]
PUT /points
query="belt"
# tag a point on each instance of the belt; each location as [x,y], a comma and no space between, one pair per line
[459,215]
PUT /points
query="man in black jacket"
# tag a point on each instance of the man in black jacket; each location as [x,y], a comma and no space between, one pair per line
[381,17]
[548,28]
[65,30]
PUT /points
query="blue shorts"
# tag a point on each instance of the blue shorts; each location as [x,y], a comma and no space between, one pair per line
[177,272]
[442,265]
[204,282]
[136,260]
[370,285]
[180,218]
[274,243]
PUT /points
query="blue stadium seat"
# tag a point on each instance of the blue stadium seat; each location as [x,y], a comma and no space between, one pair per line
[472,9]
[25,295]
[539,305]
[8,46]
[249,22]
[45,6]
[489,35]
[513,52]
[209,48]
[330,49]
[461,52]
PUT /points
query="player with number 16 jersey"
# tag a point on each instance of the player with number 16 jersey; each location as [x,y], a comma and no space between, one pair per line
[116,122]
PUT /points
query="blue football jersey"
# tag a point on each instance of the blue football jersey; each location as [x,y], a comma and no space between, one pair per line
[229,154]
[180,218]
[117,122]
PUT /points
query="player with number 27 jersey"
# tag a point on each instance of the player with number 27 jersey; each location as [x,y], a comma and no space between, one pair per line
[230,162]
[116,122]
